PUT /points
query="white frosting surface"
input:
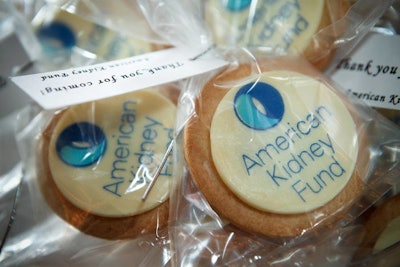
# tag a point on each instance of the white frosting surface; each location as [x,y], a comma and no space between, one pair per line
[105,169]
[287,145]
[278,25]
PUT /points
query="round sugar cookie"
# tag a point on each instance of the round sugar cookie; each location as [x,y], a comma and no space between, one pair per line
[382,228]
[279,157]
[98,159]
[278,26]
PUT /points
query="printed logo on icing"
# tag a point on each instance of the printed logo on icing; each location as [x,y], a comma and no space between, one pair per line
[284,26]
[259,106]
[237,5]
[81,144]
[284,143]
[56,35]
[103,154]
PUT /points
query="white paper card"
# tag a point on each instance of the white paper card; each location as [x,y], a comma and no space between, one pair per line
[57,89]
[372,71]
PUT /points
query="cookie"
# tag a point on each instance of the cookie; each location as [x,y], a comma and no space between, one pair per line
[382,226]
[97,161]
[278,26]
[276,153]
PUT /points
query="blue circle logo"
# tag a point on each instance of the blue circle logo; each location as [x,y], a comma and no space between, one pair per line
[259,106]
[56,35]
[237,5]
[81,144]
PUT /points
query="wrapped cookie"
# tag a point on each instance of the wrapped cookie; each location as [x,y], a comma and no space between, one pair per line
[312,29]
[87,167]
[81,33]
[380,243]
[283,27]
[276,159]
[98,158]
[287,149]
[382,226]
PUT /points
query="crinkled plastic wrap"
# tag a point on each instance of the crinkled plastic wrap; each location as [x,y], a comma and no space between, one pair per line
[314,30]
[86,169]
[198,234]
[278,165]
[179,23]
[380,245]
[76,33]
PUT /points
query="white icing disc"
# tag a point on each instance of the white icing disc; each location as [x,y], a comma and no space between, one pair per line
[278,25]
[284,144]
[102,154]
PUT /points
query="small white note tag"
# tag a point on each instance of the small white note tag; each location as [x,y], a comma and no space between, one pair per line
[372,71]
[58,89]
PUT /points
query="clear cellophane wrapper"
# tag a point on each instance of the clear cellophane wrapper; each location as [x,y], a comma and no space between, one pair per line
[75,33]
[49,227]
[200,235]
[268,26]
